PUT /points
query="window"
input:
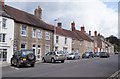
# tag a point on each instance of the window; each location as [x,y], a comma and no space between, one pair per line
[39,34]
[2,37]
[65,40]
[64,49]
[73,41]
[23,46]
[57,38]
[47,49]
[24,30]
[34,33]
[4,23]
[47,36]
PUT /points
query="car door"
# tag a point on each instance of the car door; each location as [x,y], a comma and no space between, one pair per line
[47,57]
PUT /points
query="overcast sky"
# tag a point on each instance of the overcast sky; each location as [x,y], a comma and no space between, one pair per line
[93,14]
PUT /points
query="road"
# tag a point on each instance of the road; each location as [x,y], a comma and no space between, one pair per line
[94,67]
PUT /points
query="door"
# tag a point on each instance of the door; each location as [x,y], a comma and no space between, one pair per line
[39,54]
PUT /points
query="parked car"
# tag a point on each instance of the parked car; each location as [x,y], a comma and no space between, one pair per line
[116,53]
[53,57]
[65,53]
[88,55]
[104,54]
[73,56]
[96,54]
[23,57]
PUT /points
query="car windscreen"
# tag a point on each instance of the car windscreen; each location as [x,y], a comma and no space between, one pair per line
[71,54]
[26,52]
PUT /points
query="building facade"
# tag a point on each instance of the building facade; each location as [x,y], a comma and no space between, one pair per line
[6,36]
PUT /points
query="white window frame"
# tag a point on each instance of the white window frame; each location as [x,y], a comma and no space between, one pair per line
[4,22]
[65,40]
[47,49]
[47,35]
[33,33]
[57,40]
[1,37]
[39,34]
[25,31]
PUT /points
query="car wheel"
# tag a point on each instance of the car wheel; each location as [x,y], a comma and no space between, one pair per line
[43,60]
[62,61]
[32,65]
[52,60]
[18,64]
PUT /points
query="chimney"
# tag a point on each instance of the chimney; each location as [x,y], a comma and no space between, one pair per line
[38,12]
[90,33]
[95,33]
[59,24]
[82,29]
[73,26]
[98,34]
[2,3]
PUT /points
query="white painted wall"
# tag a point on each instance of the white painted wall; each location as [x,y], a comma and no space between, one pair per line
[61,43]
[9,31]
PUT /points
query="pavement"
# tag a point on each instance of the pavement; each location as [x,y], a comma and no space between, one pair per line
[94,67]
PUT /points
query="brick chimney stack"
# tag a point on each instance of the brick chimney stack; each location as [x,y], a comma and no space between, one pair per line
[90,33]
[38,12]
[83,29]
[2,3]
[95,33]
[73,26]
[59,24]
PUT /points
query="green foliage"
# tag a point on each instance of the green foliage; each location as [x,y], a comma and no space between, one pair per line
[115,41]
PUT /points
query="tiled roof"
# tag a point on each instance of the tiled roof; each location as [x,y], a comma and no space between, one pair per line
[26,18]
[84,36]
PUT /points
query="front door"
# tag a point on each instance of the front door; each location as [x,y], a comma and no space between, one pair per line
[39,54]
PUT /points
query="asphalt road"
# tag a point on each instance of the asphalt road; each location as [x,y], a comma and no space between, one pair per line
[94,67]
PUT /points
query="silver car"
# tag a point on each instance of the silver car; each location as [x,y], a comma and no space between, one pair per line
[73,56]
[53,57]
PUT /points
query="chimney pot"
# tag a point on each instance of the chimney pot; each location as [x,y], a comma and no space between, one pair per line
[82,29]
[95,33]
[90,33]
[73,26]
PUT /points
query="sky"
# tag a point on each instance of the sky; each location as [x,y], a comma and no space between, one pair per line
[94,15]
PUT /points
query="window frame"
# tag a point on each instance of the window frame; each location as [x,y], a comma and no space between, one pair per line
[2,37]
[33,32]
[47,35]
[23,30]
[4,23]
[39,34]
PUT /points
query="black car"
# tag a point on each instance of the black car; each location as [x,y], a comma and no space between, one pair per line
[104,54]
[88,55]
[23,57]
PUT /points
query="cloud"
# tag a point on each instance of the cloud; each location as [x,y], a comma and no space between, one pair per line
[94,15]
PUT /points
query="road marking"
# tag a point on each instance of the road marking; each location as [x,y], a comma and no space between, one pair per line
[14,68]
[115,74]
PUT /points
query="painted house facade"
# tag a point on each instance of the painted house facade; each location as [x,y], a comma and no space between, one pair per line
[6,36]
[62,39]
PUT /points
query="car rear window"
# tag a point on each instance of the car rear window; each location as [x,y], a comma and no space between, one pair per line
[26,52]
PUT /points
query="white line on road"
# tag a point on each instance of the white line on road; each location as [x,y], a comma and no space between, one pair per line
[115,74]
[14,68]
